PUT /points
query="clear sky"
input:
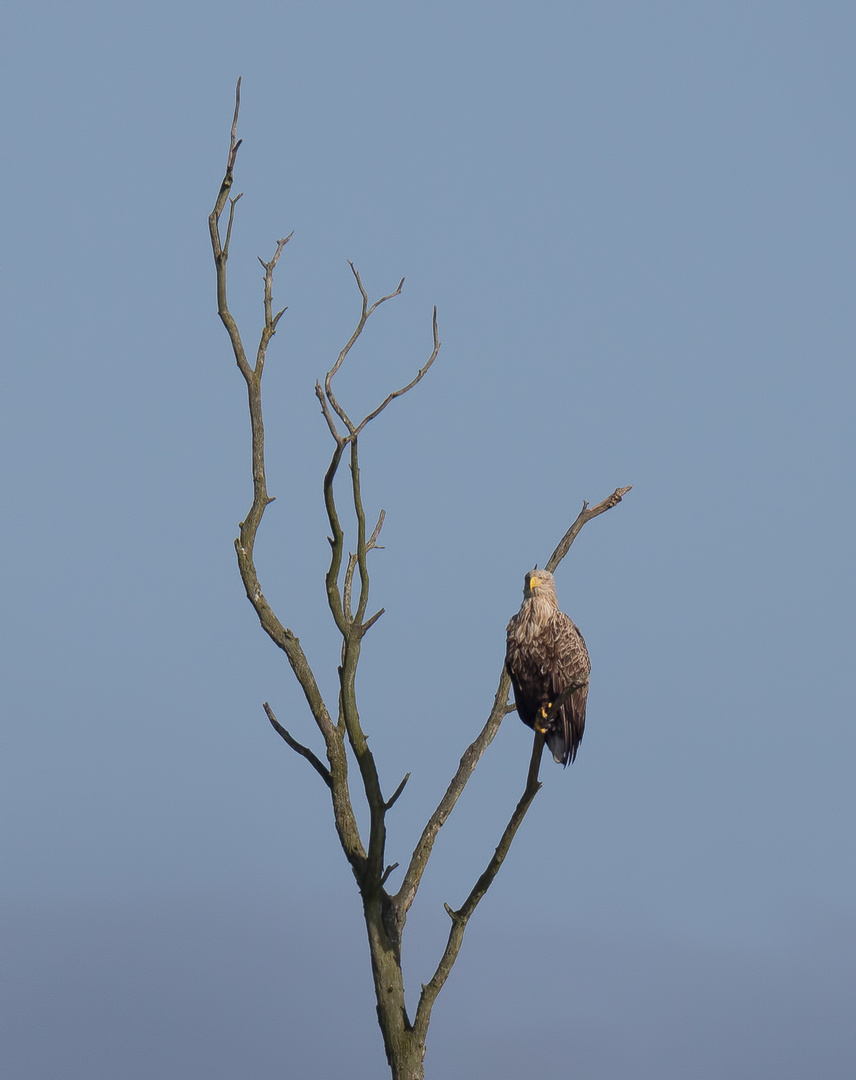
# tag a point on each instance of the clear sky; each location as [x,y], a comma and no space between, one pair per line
[637,223]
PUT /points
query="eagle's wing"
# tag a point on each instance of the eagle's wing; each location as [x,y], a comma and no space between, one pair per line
[569,663]
[523,663]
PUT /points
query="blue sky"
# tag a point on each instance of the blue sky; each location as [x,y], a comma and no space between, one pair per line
[636,222]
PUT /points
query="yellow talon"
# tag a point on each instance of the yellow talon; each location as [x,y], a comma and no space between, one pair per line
[543,714]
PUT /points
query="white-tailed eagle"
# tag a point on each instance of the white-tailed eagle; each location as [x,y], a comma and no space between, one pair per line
[545,656]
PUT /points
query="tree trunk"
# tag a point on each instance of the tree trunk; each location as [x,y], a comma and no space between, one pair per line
[405,1052]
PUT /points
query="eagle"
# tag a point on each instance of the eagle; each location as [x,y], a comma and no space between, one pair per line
[546,655]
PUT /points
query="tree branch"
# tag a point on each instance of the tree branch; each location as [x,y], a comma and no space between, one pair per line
[369,623]
[365,314]
[331,424]
[371,543]
[270,319]
[233,146]
[585,515]
[352,624]
[472,755]
[221,254]
[387,872]
[501,707]
[337,542]
[299,748]
[346,824]
[349,581]
[553,711]
[232,203]
[419,376]
[347,675]
[461,917]
[390,802]
[331,400]
[362,543]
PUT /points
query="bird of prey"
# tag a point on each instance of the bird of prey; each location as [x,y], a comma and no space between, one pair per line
[546,656]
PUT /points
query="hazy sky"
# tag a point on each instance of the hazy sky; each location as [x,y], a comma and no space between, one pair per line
[637,223]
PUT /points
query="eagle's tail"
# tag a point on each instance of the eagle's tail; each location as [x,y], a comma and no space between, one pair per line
[559,747]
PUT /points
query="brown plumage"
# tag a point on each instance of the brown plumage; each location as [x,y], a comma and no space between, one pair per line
[546,654]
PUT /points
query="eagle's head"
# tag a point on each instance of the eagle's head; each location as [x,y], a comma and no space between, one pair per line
[539,584]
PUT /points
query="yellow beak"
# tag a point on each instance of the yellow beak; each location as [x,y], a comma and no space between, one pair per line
[534,582]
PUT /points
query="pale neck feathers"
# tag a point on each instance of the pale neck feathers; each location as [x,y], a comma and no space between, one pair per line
[535,613]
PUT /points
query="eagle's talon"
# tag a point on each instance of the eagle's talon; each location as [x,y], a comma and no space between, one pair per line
[543,726]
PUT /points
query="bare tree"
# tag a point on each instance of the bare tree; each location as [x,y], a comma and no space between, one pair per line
[347,584]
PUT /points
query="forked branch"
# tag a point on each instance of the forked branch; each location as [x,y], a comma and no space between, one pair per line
[365,315]
[461,917]
[325,395]
[422,852]
[417,378]
[336,776]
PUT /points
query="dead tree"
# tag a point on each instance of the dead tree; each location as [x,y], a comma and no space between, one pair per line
[347,586]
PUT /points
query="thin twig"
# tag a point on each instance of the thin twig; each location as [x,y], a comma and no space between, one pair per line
[390,802]
[387,872]
[319,393]
[271,320]
[369,623]
[233,146]
[232,203]
[299,748]
[372,544]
